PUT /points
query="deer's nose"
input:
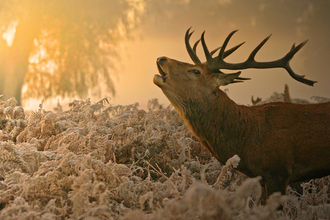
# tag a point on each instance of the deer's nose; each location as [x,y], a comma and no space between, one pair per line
[161,60]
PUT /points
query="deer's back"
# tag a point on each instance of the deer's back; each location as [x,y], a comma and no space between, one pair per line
[299,119]
[295,137]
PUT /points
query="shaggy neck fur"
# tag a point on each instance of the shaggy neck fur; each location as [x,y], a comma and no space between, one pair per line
[221,126]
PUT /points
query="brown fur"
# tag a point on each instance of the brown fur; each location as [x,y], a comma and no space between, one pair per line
[282,142]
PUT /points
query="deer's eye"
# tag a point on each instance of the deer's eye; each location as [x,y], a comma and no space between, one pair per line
[194,71]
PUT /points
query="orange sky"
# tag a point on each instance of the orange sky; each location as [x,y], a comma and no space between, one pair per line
[288,21]
[163,35]
[135,83]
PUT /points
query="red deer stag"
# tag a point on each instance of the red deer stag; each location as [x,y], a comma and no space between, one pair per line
[282,142]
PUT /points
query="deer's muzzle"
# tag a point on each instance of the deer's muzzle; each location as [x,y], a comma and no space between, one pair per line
[160,79]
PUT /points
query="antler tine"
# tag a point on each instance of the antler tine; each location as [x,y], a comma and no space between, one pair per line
[206,51]
[195,45]
[231,50]
[299,78]
[215,50]
[227,52]
[213,62]
[294,50]
[288,57]
[222,51]
[191,52]
[255,51]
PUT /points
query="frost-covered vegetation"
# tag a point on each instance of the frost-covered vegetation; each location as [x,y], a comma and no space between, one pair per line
[98,161]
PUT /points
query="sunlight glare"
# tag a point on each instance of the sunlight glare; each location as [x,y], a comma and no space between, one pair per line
[9,34]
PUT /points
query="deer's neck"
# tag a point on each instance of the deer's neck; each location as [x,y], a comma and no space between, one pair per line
[222,126]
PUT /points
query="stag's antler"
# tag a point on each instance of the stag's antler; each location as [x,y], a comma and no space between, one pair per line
[218,62]
[192,51]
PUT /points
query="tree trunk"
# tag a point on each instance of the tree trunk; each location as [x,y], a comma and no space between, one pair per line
[15,60]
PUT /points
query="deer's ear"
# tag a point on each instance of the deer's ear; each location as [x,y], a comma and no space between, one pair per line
[225,79]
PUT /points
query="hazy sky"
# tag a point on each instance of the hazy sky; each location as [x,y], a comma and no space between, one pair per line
[162,34]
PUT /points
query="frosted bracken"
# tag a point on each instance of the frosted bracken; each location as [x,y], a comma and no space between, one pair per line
[99,161]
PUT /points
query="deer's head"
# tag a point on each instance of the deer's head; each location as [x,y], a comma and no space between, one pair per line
[184,82]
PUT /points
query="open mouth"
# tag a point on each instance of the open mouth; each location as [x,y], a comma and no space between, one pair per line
[163,75]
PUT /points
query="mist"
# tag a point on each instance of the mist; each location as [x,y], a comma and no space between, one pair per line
[161,33]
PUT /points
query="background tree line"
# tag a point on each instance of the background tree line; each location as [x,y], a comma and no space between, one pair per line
[71,48]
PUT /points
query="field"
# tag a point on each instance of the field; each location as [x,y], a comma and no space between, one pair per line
[99,161]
